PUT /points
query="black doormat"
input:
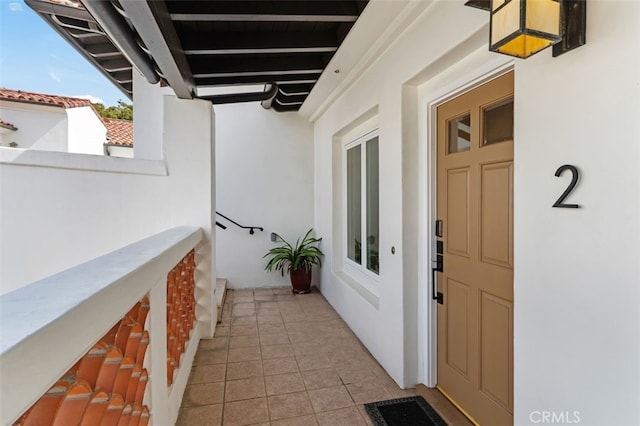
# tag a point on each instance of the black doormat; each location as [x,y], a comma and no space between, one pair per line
[411,411]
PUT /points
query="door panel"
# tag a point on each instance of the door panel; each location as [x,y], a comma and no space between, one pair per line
[458,339]
[496,342]
[475,202]
[496,214]
[458,205]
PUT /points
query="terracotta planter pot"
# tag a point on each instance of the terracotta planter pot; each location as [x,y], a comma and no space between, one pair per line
[300,280]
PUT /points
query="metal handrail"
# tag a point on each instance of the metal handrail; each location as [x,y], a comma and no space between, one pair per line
[250,228]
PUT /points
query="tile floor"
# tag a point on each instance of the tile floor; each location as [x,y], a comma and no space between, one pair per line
[279,359]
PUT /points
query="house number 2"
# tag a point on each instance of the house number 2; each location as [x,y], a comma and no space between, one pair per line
[575,175]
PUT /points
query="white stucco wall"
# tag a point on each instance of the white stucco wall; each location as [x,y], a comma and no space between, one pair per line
[76,207]
[577,276]
[120,151]
[264,177]
[577,291]
[87,133]
[39,126]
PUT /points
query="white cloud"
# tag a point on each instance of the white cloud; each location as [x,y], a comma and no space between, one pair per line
[55,77]
[93,99]
[14,6]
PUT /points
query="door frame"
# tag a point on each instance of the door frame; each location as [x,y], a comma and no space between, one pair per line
[428,191]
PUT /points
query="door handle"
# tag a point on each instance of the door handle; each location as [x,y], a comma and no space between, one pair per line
[436,295]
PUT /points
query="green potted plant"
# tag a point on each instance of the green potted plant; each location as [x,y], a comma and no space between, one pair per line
[297,260]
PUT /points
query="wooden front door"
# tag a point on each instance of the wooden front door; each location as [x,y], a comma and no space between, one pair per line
[475,204]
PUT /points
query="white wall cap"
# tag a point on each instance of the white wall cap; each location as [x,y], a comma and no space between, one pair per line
[87,162]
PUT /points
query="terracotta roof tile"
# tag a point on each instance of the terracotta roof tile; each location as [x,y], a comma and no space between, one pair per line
[119,132]
[43,99]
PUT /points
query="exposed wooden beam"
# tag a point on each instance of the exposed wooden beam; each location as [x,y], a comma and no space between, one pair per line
[257,51]
[115,65]
[259,73]
[102,50]
[247,17]
[280,79]
[152,22]
[193,42]
[274,11]
[232,64]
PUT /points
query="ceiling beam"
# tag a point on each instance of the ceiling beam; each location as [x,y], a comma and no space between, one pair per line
[259,73]
[153,23]
[256,63]
[247,17]
[236,43]
[280,79]
[287,10]
[101,50]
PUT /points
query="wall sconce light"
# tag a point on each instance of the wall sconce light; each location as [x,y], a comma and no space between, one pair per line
[522,28]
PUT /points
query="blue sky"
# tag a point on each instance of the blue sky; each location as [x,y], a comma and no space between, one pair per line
[33,57]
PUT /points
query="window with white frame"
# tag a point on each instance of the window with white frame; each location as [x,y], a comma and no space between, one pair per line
[362,204]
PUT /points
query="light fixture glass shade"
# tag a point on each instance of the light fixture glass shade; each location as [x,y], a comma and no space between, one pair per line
[523,27]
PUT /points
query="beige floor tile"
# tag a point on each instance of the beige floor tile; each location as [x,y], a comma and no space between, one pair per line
[274,339]
[236,390]
[243,341]
[309,420]
[289,405]
[301,336]
[314,361]
[275,366]
[277,351]
[221,330]
[318,379]
[246,412]
[285,297]
[244,370]
[366,392]
[271,304]
[266,318]
[208,373]
[245,305]
[205,415]
[244,320]
[283,383]
[355,375]
[264,297]
[203,394]
[217,356]
[212,344]
[397,392]
[294,316]
[271,328]
[276,359]
[243,313]
[344,417]
[243,329]
[307,348]
[328,399]
[244,354]
[302,326]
